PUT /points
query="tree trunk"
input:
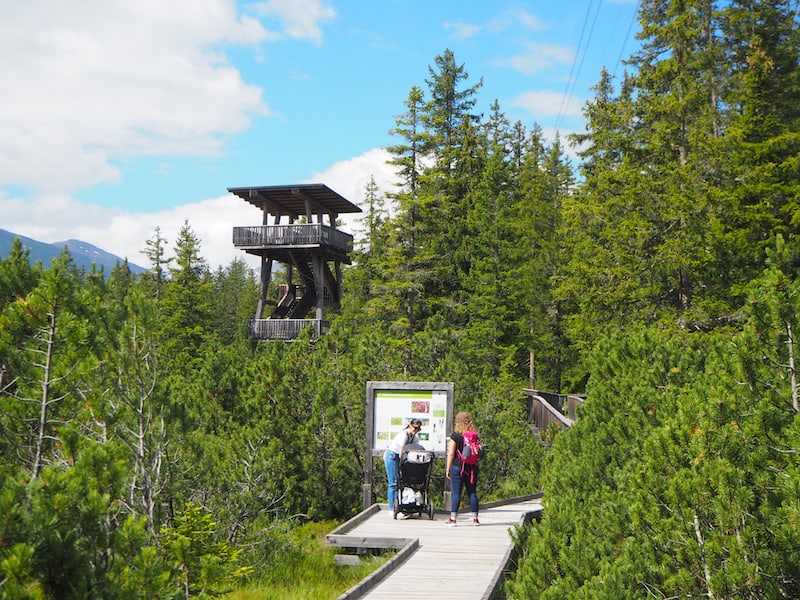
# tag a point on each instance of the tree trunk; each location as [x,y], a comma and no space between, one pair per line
[706,569]
[792,370]
[44,405]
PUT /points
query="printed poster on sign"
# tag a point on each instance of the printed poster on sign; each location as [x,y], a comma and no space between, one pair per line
[395,408]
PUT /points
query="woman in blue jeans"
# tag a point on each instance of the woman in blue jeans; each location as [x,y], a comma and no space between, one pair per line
[391,458]
[466,480]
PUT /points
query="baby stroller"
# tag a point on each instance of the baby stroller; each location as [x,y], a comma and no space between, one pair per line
[412,482]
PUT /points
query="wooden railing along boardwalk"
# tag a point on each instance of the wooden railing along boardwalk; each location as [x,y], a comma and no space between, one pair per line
[546,408]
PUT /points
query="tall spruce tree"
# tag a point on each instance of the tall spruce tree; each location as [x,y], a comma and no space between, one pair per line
[759,149]
[454,140]
[187,303]
[677,91]
[606,222]
[403,267]
[485,304]
[650,221]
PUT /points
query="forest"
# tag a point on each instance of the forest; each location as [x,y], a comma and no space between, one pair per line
[151,450]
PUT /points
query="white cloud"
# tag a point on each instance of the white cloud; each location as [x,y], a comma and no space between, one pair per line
[349,178]
[462,31]
[92,82]
[547,104]
[58,217]
[515,17]
[299,18]
[54,218]
[537,58]
[506,20]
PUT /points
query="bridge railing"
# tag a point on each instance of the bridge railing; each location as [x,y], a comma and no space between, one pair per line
[545,408]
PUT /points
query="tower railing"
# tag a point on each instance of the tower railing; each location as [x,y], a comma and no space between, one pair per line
[295,234]
[285,329]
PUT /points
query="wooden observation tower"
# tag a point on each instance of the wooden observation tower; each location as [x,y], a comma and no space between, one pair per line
[312,252]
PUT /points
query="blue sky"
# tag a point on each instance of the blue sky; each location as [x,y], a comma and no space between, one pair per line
[123,115]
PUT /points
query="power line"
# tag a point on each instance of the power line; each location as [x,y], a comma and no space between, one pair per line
[627,36]
[580,54]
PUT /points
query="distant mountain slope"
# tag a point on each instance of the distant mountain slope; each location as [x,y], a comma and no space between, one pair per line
[83,254]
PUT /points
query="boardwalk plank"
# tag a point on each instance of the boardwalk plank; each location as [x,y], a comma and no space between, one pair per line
[462,561]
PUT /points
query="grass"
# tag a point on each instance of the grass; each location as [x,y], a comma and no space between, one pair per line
[308,571]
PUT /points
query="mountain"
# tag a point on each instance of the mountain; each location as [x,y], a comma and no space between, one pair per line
[83,253]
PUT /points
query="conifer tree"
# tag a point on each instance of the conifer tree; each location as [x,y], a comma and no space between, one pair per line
[453,134]
[136,410]
[155,252]
[448,105]
[484,302]
[17,279]
[759,150]
[235,298]
[677,103]
[655,225]
[372,246]
[47,365]
[17,275]
[402,271]
[606,223]
[187,302]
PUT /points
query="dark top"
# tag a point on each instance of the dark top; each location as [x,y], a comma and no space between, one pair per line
[458,439]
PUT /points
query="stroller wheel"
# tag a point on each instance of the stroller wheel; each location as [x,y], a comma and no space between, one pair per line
[396,508]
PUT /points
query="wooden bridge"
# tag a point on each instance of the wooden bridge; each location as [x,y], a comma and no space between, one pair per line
[434,560]
[547,409]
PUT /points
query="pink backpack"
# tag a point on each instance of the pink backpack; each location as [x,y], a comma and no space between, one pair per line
[471,452]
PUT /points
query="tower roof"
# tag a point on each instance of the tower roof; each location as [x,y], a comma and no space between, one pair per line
[294,200]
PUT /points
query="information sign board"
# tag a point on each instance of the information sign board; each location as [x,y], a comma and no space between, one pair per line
[391,405]
[395,408]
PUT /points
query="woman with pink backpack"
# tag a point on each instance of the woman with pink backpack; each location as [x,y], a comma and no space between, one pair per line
[463,453]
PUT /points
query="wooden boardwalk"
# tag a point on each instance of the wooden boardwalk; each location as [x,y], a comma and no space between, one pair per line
[436,561]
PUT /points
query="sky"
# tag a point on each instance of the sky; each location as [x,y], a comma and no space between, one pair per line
[118,117]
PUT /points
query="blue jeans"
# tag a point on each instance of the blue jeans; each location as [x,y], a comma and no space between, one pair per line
[457,483]
[392,462]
